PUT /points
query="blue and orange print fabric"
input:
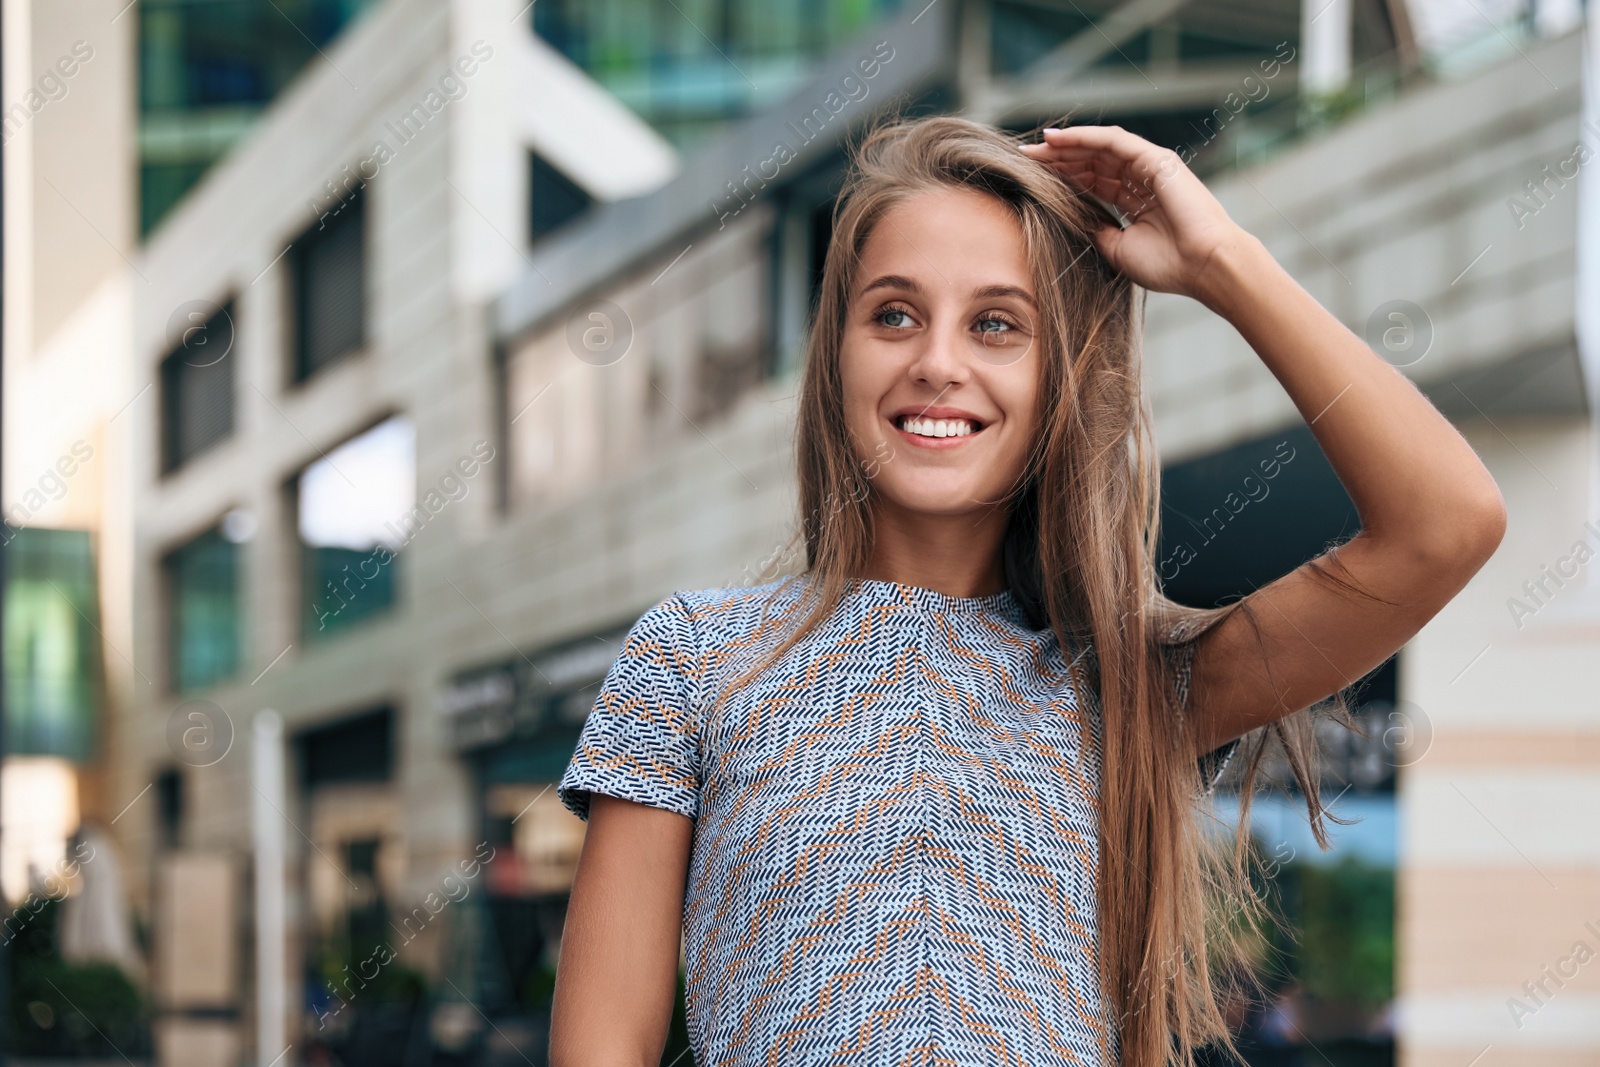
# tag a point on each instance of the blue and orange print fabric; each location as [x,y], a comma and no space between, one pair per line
[896,840]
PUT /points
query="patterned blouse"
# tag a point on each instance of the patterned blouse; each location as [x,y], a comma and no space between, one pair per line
[896,842]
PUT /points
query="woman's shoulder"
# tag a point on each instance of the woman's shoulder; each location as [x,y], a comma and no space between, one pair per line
[720,614]
[718,599]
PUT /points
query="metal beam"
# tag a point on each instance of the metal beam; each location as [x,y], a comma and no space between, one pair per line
[1112,92]
[1087,47]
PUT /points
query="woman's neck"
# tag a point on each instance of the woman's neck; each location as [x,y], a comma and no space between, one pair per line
[958,555]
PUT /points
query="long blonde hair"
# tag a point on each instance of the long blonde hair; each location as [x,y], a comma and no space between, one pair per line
[1180,922]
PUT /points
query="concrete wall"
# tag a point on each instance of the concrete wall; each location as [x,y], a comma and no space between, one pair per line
[1408,202]
[1501,875]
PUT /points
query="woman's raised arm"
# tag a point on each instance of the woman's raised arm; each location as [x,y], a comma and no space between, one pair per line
[1431,515]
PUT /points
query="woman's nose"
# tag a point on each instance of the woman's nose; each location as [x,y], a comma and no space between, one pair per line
[942,359]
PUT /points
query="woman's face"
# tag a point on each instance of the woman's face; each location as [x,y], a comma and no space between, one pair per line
[938,358]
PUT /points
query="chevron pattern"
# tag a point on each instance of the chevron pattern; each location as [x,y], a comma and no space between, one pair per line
[896,827]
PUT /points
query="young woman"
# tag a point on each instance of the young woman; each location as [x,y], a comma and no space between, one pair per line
[934,800]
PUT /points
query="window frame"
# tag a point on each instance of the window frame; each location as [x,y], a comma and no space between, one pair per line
[298,371]
[167,563]
[290,488]
[168,370]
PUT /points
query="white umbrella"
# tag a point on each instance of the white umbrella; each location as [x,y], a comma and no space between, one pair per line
[94,921]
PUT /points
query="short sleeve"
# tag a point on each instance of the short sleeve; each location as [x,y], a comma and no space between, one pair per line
[1213,763]
[641,741]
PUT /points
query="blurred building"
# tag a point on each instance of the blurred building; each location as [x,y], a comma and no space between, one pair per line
[67,231]
[206,69]
[451,365]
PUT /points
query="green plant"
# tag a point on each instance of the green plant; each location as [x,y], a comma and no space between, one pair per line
[70,1009]
[1346,917]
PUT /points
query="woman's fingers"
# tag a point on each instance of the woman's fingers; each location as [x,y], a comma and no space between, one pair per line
[1102,172]
[1109,139]
[1105,179]
[1110,150]
[1171,224]
[1128,199]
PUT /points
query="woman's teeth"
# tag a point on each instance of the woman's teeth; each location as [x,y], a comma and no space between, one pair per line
[937,427]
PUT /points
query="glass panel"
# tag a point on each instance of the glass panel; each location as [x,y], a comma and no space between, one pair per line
[686,67]
[206,64]
[205,635]
[357,507]
[52,672]
[556,200]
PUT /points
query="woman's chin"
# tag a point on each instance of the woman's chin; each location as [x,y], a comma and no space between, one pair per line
[945,498]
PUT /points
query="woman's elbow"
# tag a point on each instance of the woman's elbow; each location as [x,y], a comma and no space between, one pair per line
[1467,537]
[1484,527]
[1494,523]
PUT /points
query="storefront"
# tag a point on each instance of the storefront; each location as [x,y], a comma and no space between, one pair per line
[516,722]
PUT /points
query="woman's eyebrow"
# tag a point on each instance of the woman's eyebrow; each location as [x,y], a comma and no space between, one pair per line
[892,281]
[1005,290]
[900,281]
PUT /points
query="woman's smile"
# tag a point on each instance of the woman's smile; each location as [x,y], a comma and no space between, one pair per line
[937,429]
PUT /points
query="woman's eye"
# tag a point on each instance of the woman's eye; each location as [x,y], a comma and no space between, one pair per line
[993,325]
[894,318]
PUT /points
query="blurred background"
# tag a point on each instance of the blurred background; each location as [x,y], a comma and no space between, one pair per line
[371,365]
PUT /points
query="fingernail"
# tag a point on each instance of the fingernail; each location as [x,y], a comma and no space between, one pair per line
[1052,129]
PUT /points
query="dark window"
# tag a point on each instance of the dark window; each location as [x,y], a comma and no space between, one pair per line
[361,858]
[204,626]
[162,185]
[330,287]
[358,749]
[197,388]
[800,242]
[556,199]
[821,227]
[1239,518]
[169,809]
[366,917]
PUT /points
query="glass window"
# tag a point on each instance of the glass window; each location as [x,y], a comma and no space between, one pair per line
[556,199]
[197,389]
[204,626]
[169,809]
[690,66]
[206,69]
[355,749]
[356,508]
[329,287]
[52,646]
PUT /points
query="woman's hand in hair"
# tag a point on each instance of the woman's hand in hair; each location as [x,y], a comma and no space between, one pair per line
[1175,226]
[1431,514]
